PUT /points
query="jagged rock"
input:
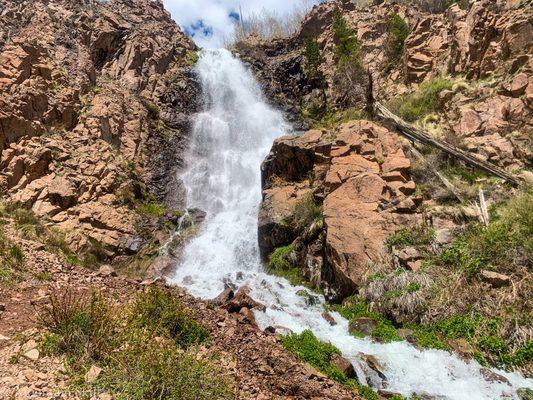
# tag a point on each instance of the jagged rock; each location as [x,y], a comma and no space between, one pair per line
[495,279]
[374,365]
[363,326]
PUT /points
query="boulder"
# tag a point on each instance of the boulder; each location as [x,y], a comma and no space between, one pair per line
[491,376]
[242,299]
[495,279]
[226,295]
[344,365]
[363,326]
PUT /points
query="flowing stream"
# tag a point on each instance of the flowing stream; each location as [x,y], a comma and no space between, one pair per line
[231,137]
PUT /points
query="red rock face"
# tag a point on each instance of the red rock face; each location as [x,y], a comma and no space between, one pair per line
[86,100]
[362,174]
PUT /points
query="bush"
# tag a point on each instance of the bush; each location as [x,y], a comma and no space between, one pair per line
[346,44]
[418,235]
[314,61]
[145,350]
[505,244]
[160,313]
[398,32]
[414,106]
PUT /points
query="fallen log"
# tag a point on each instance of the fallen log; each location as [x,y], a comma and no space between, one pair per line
[417,135]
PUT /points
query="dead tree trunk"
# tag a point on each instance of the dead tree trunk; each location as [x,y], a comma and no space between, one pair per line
[417,135]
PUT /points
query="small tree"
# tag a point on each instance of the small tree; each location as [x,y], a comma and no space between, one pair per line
[346,43]
[398,32]
[314,59]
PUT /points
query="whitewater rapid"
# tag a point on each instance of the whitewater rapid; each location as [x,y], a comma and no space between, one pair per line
[230,139]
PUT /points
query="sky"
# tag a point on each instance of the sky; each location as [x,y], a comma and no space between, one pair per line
[209,22]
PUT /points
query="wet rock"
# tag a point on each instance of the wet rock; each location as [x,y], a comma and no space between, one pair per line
[226,295]
[310,299]
[242,299]
[328,317]
[491,376]
[344,365]
[495,279]
[278,330]
[363,326]
[248,315]
[373,363]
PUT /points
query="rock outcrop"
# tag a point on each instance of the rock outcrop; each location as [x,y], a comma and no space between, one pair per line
[93,114]
[360,174]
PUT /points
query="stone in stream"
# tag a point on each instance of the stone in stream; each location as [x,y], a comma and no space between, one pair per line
[491,376]
[344,365]
[226,295]
[373,365]
[328,317]
[362,325]
[242,299]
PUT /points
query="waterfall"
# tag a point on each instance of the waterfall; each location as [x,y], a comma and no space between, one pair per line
[230,138]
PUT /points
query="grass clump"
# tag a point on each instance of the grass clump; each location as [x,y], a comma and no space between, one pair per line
[305,212]
[162,314]
[12,258]
[417,235]
[151,208]
[308,348]
[146,350]
[414,106]
[505,244]
[331,119]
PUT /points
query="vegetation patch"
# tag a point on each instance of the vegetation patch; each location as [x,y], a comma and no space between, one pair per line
[308,348]
[314,59]
[346,47]
[279,265]
[418,235]
[305,212]
[146,351]
[416,105]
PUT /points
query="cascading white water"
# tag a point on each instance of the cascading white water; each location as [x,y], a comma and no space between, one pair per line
[230,138]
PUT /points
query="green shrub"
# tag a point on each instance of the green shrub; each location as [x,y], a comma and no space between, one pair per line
[398,32]
[161,314]
[414,106]
[417,235]
[506,242]
[314,59]
[346,44]
[145,350]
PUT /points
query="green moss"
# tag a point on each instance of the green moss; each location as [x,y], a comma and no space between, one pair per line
[151,208]
[279,265]
[414,106]
[353,308]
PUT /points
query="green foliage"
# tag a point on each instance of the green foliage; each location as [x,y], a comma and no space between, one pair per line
[352,308]
[161,314]
[346,44]
[151,208]
[314,59]
[330,119]
[308,348]
[507,241]
[417,235]
[279,265]
[398,31]
[12,260]
[414,106]
[146,351]
[305,212]
[192,58]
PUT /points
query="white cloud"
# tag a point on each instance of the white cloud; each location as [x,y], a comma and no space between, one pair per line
[215,15]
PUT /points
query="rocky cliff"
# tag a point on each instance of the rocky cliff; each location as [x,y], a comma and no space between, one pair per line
[94,106]
[354,208]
